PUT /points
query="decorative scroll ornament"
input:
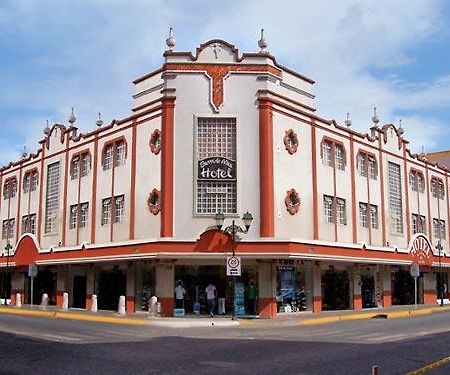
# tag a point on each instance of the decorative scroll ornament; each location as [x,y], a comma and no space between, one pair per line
[292,201]
[155,141]
[154,202]
[291,141]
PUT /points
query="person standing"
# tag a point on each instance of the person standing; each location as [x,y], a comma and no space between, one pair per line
[179,295]
[211,292]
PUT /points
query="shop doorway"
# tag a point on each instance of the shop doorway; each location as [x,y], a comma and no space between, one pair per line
[368,291]
[403,288]
[79,292]
[44,282]
[5,286]
[335,290]
[111,285]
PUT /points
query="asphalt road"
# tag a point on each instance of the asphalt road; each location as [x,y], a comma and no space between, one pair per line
[54,346]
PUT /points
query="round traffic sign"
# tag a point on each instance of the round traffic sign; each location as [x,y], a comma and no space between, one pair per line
[233,262]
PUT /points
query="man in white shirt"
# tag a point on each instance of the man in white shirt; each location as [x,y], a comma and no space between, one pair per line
[179,295]
[211,298]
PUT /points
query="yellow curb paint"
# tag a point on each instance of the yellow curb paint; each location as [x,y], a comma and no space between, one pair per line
[246,323]
[357,316]
[315,321]
[431,366]
[62,315]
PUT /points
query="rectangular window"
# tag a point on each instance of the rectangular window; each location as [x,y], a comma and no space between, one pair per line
[419,223]
[340,158]
[34,181]
[395,198]
[328,209]
[74,168]
[107,157]
[8,229]
[363,215]
[439,229]
[437,188]
[342,211]
[10,188]
[73,217]
[327,148]
[362,164]
[27,183]
[106,210]
[119,158]
[52,199]
[372,168]
[216,138]
[374,216]
[119,209]
[84,164]
[84,214]
[29,224]
[24,225]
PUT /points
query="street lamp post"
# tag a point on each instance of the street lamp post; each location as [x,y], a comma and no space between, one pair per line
[441,284]
[8,247]
[233,229]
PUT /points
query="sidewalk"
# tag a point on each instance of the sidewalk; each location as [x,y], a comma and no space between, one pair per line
[192,321]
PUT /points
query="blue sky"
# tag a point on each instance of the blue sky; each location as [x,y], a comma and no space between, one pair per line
[55,55]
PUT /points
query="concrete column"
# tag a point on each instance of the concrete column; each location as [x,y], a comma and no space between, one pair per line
[61,274]
[386,281]
[317,287]
[267,285]
[17,286]
[90,286]
[357,298]
[129,304]
[164,287]
[378,285]
[429,288]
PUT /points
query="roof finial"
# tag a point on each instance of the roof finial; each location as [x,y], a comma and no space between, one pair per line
[47,129]
[170,41]
[72,118]
[24,152]
[375,118]
[99,122]
[347,121]
[423,152]
[262,44]
[400,130]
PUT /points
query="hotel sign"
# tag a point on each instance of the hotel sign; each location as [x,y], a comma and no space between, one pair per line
[216,169]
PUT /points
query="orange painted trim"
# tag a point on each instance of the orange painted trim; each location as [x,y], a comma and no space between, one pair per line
[405,180]
[41,192]
[267,307]
[266,184]
[314,184]
[88,302]
[357,302]
[429,297]
[19,200]
[94,191]
[430,231]
[59,298]
[317,304]
[129,304]
[167,306]
[167,165]
[353,184]
[387,298]
[133,182]
[66,183]
[382,203]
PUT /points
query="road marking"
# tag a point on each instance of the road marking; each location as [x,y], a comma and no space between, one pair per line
[59,337]
[431,366]
[397,337]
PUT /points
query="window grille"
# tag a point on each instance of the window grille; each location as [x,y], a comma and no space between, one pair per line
[34,180]
[10,188]
[27,182]
[84,164]
[119,158]
[74,168]
[32,223]
[374,216]
[327,148]
[216,137]
[106,210]
[363,214]
[84,214]
[342,211]
[362,164]
[395,198]
[340,158]
[437,188]
[107,157]
[8,229]
[24,225]
[73,216]
[419,223]
[52,199]
[119,209]
[328,209]
[372,165]
[439,229]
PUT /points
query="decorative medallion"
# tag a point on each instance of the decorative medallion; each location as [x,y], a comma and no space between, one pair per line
[290,141]
[155,141]
[420,249]
[292,201]
[154,201]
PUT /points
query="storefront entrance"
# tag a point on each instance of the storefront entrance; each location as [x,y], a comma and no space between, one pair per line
[403,288]
[111,285]
[79,292]
[335,290]
[44,282]
[368,291]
